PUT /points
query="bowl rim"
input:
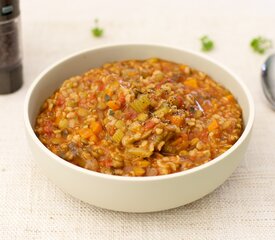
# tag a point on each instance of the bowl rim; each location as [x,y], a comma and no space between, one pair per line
[49,154]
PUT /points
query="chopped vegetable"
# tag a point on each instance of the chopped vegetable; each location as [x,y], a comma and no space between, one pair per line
[113,105]
[56,141]
[229,97]
[111,112]
[96,30]
[93,138]
[143,163]
[260,44]
[161,112]
[149,125]
[107,98]
[140,152]
[63,123]
[85,132]
[122,99]
[138,171]
[118,136]
[101,105]
[191,82]
[153,60]
[177,120]
[142,117]
[206,44]
[120,124]
[140,104]
[96,127]
[213,125]
[179,101]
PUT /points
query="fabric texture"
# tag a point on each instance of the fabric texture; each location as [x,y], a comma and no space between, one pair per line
[32,207]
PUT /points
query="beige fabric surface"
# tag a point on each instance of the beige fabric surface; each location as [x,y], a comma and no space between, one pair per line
[32,207]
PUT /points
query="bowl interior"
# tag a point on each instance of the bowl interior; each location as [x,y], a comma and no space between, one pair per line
[52,78]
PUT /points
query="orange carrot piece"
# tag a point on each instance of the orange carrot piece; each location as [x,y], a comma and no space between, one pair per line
[109,91]
[230,97]
[93,138]
[85,133]
[213,125]
[177,120]
[113,105]
[191,82]
[96,127]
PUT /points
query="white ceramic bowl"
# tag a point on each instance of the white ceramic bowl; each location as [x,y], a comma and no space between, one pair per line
[135,194]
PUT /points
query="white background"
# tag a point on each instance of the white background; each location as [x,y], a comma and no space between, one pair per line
[32,207]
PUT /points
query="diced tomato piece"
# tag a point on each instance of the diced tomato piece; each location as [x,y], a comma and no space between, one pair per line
[48,127]
[203,135]
[121,99]
[180,101]
[101,87]
[60,100]
[108,163]
[111,130]
[149,125]
[130,114]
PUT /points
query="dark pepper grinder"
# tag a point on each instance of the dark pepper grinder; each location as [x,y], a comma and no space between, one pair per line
[11,74]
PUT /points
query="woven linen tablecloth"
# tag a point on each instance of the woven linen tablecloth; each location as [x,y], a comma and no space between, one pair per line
[32,207]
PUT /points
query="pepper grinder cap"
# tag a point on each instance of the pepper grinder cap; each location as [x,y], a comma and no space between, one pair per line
[9,9]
